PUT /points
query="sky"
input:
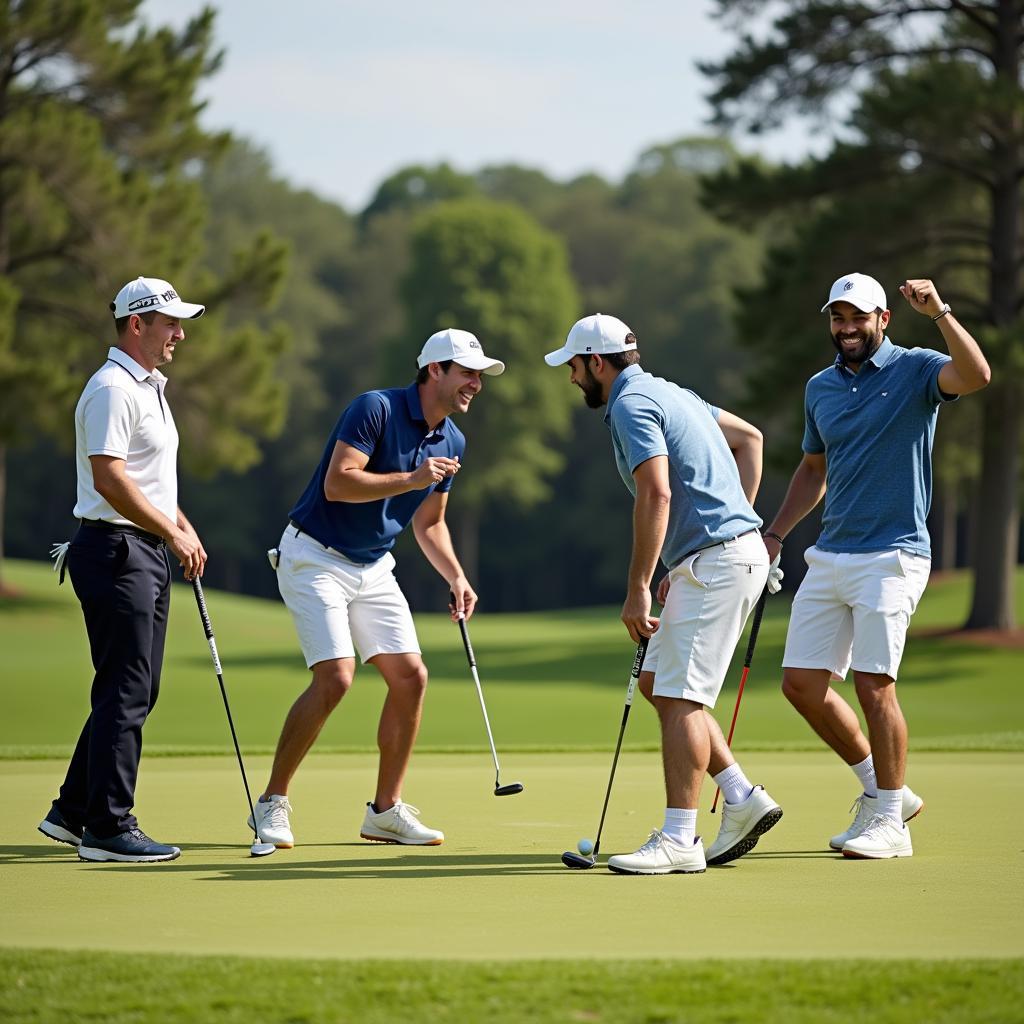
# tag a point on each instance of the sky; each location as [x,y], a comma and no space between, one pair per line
[342,93]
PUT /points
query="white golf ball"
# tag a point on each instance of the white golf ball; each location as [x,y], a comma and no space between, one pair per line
[586,847]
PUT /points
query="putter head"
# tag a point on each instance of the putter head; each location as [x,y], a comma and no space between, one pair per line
[577,861]
[508,790]
[259,849]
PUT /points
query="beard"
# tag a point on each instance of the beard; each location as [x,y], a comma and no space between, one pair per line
[591,388]
[869,342]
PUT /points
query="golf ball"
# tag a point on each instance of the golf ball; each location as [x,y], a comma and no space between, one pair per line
[586,847]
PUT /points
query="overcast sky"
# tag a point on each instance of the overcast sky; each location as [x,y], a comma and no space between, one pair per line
[343,93]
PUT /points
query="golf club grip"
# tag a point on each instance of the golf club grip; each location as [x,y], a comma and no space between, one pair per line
[197,589]
[634,672]
[755,626]
[470,656]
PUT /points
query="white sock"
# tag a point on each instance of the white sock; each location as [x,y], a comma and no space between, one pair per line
[865,772]
[735,786]
[890,803]
[681,825]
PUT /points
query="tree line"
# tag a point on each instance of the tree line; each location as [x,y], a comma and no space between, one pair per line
[718,263]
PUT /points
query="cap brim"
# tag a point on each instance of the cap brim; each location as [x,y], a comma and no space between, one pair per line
[559,357]
[491,367]
[861,304]
[182,310]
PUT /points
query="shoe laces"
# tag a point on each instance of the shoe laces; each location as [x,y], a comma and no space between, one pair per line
[654,842]
[407,813]
[858,808]
[878,823]
[277,813]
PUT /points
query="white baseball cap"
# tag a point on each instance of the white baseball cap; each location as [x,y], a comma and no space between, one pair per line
[598,334]
[858,289]
[153,295]
[460,346]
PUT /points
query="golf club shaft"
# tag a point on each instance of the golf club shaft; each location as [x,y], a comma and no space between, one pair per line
[197,588]
[634,675]
[754,629]
[471,657]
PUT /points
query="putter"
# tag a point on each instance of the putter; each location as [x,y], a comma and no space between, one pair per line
[576,860]
[258,848]
[754,628]
[511,788]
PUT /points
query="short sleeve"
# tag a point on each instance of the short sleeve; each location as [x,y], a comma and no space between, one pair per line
[363,424]
[931,364]
[639,429]
[713,409]
[456,450]
[109,417]
[812,443]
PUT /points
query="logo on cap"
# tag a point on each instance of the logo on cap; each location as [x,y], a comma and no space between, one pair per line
[847,286]
[474,343]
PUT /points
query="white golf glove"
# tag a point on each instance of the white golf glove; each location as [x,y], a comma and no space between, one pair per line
[775,575]
[59,554]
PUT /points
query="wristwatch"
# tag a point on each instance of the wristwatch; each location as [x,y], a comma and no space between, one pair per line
[942,312]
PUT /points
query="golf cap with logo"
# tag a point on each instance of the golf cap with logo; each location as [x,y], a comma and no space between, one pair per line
[461,347]
[153,295]
[859,290]
[599,334]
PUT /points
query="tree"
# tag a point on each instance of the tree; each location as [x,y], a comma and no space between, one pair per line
[925,182]
[489,268]
[99,135]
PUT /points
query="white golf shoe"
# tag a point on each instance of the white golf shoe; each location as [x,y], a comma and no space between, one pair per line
[272,823]
[884,837]
[866,807]
[399,824]
[661,855]
[742,825]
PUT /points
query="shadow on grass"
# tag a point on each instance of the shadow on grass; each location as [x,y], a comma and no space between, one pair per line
[280,867]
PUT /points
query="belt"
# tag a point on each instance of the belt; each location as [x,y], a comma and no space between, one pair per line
[299,528]
[718,543]
[101,524]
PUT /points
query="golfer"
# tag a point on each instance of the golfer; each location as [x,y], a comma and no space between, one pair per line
[693,470]
[869,425]
[390,461]
[126,449]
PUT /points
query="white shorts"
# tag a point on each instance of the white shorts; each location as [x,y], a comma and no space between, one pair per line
[339,606]
[712,593]
[854,609]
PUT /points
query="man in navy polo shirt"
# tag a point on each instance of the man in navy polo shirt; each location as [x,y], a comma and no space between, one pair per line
[870,421]
[389,462]
[693,471]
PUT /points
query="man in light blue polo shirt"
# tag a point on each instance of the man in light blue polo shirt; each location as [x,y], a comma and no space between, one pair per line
[389,462]
[870,421]
[693,471]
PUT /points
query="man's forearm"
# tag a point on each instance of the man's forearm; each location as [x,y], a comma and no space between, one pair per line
[806,489]
[128,501]
[359,485]
[750,462]
[650,523]
[435,542]
[969,360]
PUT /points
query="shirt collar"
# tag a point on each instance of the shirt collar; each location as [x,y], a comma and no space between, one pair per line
[415,407]
[633,370]
[881,356]
[140,373]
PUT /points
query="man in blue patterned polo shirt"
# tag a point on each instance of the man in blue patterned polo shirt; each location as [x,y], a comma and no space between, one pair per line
[389,462]
[870,421]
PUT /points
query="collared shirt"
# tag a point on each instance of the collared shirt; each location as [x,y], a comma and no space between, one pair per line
[649,416]
[876,429]
[388,426]
[123,413]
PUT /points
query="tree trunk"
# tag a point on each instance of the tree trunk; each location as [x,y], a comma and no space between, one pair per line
[943,527]
[997,524]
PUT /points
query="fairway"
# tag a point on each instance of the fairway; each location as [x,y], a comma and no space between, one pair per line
[490,926]
[496,889]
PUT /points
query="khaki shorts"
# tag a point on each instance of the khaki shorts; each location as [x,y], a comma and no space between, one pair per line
[854,610]
[712,593]
[339,606]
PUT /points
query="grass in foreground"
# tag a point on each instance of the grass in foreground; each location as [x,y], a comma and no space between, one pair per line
[37,986]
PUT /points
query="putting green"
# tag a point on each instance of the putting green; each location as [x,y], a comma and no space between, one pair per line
[496,888]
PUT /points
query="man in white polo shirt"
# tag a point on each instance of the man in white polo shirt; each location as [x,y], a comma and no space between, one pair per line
[126,451]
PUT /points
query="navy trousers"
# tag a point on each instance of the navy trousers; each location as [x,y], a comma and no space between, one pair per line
[123,583]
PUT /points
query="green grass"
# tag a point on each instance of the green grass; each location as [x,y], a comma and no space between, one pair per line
[43,986]
[553,680]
